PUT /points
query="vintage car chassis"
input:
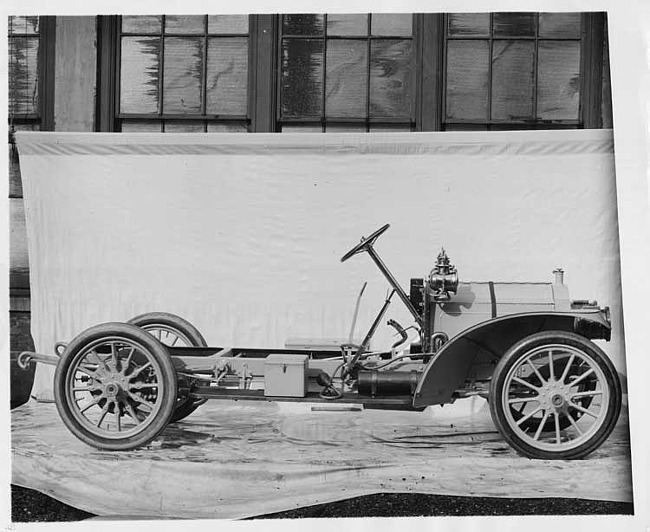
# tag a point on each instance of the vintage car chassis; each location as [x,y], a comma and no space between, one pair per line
[553,393]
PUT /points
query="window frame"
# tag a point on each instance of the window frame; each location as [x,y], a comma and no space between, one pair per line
[44,118]
[19,285]
[108,113]
[429,76]
[590,72]
[367,122]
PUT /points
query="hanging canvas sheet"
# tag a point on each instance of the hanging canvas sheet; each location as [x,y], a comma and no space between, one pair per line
[242,234]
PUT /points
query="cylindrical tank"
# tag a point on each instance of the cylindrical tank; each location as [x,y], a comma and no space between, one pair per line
[381,383]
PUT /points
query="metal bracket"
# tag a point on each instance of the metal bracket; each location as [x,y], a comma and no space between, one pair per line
[25,358]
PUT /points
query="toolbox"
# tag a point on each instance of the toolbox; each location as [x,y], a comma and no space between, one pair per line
[285,375]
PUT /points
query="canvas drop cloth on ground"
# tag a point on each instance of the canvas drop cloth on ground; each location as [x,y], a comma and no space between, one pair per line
[235,460]
[242,234]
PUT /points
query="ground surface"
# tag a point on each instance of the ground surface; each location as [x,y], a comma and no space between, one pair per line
[32,506]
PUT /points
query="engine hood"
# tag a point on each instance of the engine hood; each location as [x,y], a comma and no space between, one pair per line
[475,302]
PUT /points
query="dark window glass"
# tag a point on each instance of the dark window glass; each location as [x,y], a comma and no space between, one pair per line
[228,24]
[303,24]
[467,79]
[23,25]
[559,80]
[392,25]
[183,75]
[302,78]
[192,24]
[347,65]
[351,72]
[141,24]
[347,25]
[514,24]
[227,75]
[559,25]
[390,79]
[23,58]
[140,72]
[508,70]
[468,24]
[513,69]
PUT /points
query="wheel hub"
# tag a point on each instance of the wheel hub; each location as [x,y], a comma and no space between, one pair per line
[557,400]
[114,384]
[554,394]
[112,389]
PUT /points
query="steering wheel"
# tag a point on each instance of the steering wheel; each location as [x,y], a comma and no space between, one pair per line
[365,243]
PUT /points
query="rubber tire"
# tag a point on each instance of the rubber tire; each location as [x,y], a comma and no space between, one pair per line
[172,321]
[185,405]
[167,378]
[538,340]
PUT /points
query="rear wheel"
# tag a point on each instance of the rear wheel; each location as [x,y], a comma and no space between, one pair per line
[555,395]
[173,331]
[115,387]
[170,329]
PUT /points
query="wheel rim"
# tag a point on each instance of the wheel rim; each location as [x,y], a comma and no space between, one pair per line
[578,394]
[114,388]
[167,335]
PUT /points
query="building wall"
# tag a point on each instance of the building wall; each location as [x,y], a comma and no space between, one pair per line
[76,52]
[74,110]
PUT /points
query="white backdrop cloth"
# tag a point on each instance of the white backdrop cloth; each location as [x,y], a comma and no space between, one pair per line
[242,234]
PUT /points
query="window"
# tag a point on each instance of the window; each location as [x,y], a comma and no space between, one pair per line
[512,70]
[183,73]
[353,72]
[347,72]
[24,93]
[30,107]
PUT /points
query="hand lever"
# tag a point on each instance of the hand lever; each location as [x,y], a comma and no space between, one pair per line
[400,330]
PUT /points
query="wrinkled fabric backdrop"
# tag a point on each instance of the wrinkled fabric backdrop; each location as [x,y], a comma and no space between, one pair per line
[242,234]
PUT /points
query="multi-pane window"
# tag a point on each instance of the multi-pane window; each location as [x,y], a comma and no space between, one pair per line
[346,72]
[24,39]
[184,73]
[357,72]
[27,40]
[505,70]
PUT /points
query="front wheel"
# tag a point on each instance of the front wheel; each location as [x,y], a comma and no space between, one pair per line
[555,395]
[115,387]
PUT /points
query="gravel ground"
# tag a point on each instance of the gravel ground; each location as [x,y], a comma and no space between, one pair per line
[32,506]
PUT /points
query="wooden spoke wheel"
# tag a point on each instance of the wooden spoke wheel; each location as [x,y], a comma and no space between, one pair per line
[115,387]
[173,331]
[555,395]
[169,329]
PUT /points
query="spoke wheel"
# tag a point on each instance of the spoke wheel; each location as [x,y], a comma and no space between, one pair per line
[115,387]
[584,400]
[555,395]
[169,329]
[173,331]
